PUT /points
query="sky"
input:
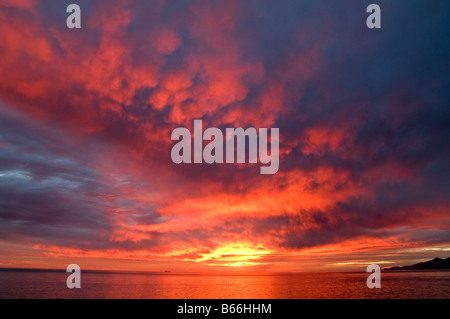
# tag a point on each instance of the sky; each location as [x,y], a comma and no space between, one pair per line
[86,117]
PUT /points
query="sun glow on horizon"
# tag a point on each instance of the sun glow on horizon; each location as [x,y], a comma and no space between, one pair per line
[236,255]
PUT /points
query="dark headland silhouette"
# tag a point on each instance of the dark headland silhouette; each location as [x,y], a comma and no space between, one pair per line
[435,264]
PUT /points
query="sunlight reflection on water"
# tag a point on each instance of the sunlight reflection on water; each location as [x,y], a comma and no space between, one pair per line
[296,286]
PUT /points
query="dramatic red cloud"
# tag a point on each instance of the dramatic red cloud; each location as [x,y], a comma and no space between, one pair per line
[87,115]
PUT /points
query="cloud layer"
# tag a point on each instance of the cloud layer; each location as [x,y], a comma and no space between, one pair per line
[86,116]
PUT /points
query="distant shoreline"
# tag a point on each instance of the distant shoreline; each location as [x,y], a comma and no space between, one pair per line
[436,264]
[165,273]
[414,270]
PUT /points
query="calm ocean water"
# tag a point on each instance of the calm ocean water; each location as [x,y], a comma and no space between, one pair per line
[170,286]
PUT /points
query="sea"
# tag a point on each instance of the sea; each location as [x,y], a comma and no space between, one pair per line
[16,284]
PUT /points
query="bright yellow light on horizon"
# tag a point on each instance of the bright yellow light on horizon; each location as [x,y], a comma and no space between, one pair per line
[235,255]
